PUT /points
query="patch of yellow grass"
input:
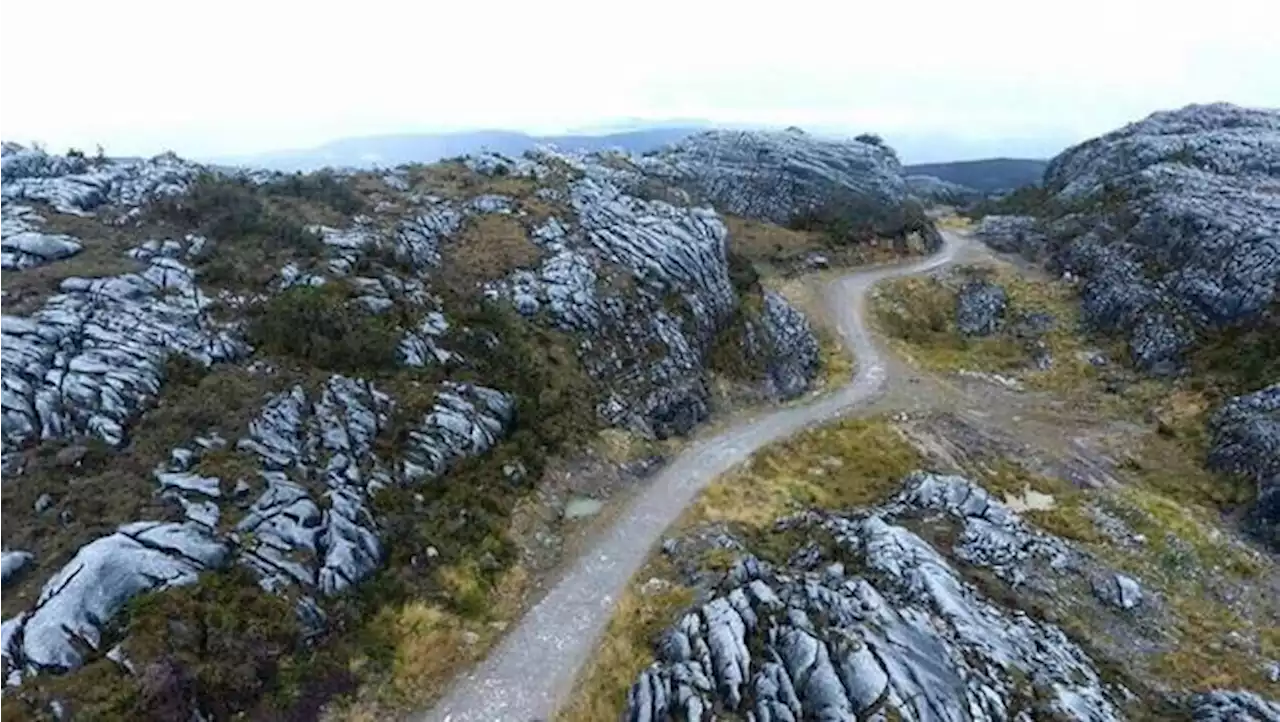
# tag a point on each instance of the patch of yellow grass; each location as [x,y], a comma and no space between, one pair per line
[488,247]
[853,462]
[918,316]
[640,616]
[954,222]
[1067,518]
[836,361]
[431,644]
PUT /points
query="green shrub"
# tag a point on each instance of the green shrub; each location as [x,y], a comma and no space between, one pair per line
[318,326]
[218,643]
[859,218]
[231,209]
[324,187]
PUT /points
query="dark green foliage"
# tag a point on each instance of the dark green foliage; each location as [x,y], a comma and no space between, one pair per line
[464,517]
[320,327]
[217,643]
[230,209]
[742,274]
[859,219]
[870,138]
[323,187]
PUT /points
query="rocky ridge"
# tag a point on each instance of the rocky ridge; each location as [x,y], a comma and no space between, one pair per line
[641,285]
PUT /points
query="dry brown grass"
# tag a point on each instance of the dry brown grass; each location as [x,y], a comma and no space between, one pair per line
[488,247]
[853,462]
[433,644]
[918,316]
[769,243]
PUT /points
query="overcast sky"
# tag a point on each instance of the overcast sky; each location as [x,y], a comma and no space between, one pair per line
[238,76]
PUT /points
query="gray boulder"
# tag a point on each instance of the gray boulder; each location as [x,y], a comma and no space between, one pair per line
[936,190]
[76,602]
[1246,440]
[980,308]
[23,245]
[13,563]
[1012,234]
[793,349]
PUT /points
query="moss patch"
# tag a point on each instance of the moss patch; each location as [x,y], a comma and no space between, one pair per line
[488,247]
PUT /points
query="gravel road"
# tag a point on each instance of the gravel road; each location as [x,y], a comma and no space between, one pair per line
[529,674]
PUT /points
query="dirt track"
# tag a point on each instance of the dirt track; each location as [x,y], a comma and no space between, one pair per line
[530,673]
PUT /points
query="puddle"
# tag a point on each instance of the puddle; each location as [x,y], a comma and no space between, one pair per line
[1029,500]
[582,507]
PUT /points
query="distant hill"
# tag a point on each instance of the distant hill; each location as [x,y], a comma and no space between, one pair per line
[988,175]
[393,150]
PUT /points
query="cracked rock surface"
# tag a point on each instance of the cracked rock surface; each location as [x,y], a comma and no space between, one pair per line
[883,627]
[1180,229]
[774,175]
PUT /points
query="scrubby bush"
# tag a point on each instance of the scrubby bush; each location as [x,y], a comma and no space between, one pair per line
[230,209]
[858,218]
[216,645]
[320,327]
[324,187]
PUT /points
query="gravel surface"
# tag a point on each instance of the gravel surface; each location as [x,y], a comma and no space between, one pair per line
[532,671]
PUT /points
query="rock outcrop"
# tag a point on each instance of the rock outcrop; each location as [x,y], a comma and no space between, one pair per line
[980,308]
[901,634]
[776,176]
[1174,224]
[1013,234]
[934,190]
[1246,440]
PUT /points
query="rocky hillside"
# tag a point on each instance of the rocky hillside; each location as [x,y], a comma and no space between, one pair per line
[244,412]
[1172,226]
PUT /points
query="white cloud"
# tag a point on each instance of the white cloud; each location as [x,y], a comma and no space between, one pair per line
[242,76]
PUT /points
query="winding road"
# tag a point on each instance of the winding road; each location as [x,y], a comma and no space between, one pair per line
[531,672]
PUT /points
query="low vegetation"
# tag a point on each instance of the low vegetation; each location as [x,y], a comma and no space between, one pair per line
[321,327]
[488,247]
[919,317]
[861,219]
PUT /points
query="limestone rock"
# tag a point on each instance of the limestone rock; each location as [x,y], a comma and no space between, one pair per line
[1012,234]
[1233,706]
[775,176]
[93,356]
[980,308]
[908,636]
[936,190]
[1246,440]
[1176,231]
[12,564]
[104,574]
[793,362]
